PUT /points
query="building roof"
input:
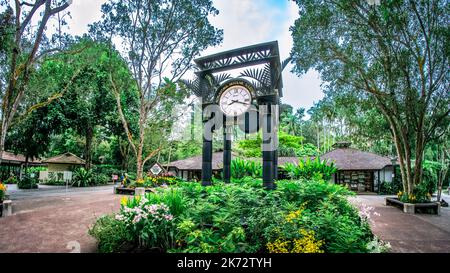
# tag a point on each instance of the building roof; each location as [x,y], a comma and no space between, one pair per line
[353,159]
[195,163]
[66,158]
[343,158]
[17,158]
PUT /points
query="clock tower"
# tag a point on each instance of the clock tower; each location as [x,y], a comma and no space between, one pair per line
[250,100]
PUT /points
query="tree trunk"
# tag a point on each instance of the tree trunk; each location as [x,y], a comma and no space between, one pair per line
[442,157]
[139,168]
[26,165]
[139,159]
[124,152]
[142,122]
[403,161]
[2,144]
[88,147]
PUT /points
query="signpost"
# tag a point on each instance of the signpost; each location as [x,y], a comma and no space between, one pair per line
[156,169]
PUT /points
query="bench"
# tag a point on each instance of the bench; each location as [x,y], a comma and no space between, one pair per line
[433,207]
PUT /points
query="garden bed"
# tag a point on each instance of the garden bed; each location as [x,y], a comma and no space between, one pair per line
[428,208]
[297,217]
[129,191]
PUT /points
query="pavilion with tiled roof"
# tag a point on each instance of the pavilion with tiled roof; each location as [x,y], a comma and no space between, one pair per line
[358,170]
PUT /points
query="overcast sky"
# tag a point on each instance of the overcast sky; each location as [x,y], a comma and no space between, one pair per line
[245,22]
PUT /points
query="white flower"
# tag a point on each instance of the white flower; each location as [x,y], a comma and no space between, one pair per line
[120,217]
[378,246]
[143,200]
[374,2]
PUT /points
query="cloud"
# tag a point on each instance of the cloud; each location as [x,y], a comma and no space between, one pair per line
[298,91]
[247,22]
[84,12]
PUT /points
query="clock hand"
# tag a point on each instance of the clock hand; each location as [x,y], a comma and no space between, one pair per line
[240,102]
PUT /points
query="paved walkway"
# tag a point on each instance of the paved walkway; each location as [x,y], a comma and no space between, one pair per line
[49,191]
[53,221]
[411,233]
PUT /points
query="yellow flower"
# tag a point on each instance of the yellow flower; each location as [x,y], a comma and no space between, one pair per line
[3,187]
[124,201]
[140,181]
[278,246]
[306,244]
[137,198]
[295,214]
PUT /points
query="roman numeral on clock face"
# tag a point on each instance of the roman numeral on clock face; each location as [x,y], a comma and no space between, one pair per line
[235,101]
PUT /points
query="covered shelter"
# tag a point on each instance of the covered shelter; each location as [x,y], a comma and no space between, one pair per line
[359,170]
[191,168]
[60,167]
[12,164]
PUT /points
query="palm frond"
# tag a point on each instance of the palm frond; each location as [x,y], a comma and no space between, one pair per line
[221,78]
[192,85]
[260,75]
[285,63]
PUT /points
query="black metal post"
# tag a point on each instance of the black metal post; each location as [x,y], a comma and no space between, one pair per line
[275,139]
[226,155]
[275,162]
[207,162]
[206,156]
[268,153]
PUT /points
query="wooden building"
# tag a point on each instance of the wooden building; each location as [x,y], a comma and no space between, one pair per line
[60,167]
[360,171]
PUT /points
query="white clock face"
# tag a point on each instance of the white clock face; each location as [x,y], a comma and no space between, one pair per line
[235,100]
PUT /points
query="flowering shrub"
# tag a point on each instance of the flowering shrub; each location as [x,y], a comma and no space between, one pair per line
[297,217]
[150,223]
[419,196]
[163,179]
[3,189]
[151,181]
[307,243]
[378,246]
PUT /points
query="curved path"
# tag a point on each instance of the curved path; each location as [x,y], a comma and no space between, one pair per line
[409,233]
[53,220]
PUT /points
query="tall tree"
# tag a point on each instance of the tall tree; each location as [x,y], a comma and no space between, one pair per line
[159,40]
[31,136]
[351,118]
[395,53]
[89,101]
[22,52]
